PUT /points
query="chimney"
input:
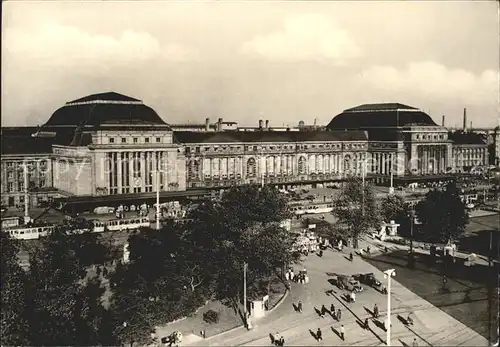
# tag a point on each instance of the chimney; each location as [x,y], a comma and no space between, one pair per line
[267,123]
[315,123]
[470,129]
[219,125]
[465,119]
[260,123]
[207,124]
[442,120]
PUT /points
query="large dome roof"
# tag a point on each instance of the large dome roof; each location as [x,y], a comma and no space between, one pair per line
[386,115]
[104,108]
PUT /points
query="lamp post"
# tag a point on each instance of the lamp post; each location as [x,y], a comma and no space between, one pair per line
[412,221]
[391,188]
[245,267]
[158,200]
[388,274]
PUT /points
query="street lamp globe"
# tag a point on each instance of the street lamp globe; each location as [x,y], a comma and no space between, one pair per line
[390,272]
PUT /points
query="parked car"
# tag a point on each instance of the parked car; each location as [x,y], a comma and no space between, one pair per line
[369,279]
[348,283]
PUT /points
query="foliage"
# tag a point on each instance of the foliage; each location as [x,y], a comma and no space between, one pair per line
[393,207]
[174,270]
[65,309]
[356,208]
[14,324]
[443,214]
[211,316]
[242,227]
[325,229]
[160,284]
[53,303]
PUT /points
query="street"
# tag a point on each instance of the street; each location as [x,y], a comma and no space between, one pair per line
[431,325]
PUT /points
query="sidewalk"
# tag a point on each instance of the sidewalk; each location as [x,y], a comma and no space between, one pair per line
[377,247]
[432,326]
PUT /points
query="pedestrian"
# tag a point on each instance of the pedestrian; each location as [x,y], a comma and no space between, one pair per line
[292,275]
[350,256]
[282,341]
[332,309]
[319,335]
[287,276]
[415,344]
[353,296]
[386,324]
[366,324]
[339,314]
[323,311]
[342,332]
[299,306]
[375,311]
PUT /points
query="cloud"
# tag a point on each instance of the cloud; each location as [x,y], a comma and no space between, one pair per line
[434,81]
[304,38]
[55,44]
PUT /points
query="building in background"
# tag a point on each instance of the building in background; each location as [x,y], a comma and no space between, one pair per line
[286,158]
[406,141]
[110,144]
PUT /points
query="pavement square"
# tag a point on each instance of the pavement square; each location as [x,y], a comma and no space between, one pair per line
[431,325]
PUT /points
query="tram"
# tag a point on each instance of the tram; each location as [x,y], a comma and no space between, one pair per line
[25,232]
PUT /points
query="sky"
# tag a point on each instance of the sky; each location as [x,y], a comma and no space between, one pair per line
[250,60]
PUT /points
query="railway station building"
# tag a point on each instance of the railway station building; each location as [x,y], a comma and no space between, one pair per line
[110,145]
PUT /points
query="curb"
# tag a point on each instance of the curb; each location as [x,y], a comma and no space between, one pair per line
[186,317]
[280,301]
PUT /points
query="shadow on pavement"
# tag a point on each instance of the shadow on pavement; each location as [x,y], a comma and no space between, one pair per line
[357,318]
[361,324]
[378,324]
[313,334]
[370,312]
[271,337]
[318,312]
[402,320]
[336,332]
[404,343]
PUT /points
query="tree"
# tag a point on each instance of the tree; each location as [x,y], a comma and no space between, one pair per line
[162,282]
[242,227]
[14,324]
[443,214]
[356,208]
[64,308]
[393,207]
[326,229]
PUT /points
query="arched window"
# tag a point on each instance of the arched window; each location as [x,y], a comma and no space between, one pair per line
[190,169]
[251,168]
[195,170]
[347,163]
[302,166]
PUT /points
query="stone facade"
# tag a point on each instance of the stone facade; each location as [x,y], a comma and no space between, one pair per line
[120,162]
[39,178]
[468,156]
[223,164]
[428,150]
[120,146]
